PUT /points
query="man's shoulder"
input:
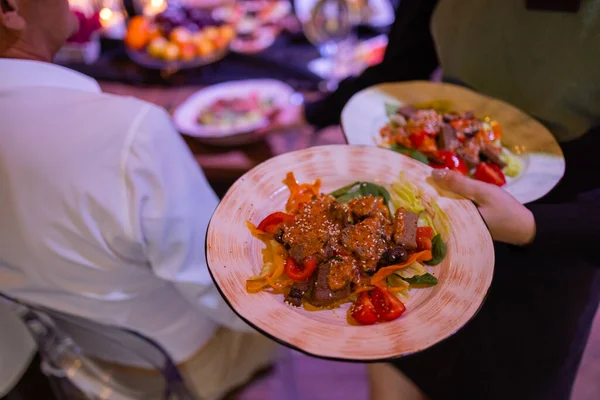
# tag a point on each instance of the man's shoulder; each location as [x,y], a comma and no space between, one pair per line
[130,113]
[132,105]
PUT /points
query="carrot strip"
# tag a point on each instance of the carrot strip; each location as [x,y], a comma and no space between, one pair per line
[299,193]
[384,272]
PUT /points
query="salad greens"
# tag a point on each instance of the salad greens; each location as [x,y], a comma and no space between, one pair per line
[412,153]
[438,251]
[422,280]
[361,189]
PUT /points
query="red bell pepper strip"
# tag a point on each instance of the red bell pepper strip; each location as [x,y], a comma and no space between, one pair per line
[274,221]
[299,273]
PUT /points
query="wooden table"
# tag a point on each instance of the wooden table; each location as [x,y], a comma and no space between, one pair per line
[226,164]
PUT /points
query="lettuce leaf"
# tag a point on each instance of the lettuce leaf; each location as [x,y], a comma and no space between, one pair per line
[415,269]
[513,163]
[406,195]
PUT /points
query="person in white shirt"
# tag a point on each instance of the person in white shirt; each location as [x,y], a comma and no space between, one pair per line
[104,209]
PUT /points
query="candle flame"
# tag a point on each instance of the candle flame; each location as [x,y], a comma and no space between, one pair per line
[105,14]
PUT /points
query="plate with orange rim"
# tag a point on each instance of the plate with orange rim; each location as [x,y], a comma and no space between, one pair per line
[433,314]
[542,164]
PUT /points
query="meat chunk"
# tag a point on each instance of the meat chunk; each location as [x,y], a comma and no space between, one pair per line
[449,117]
[426,120]
[493,155]
[448,140]
[469,152]
[341,272]
[471,128]
[366,240]
[296,293]
[321,295]
[312,229]
[407,112]
[338,213]
[405,229]
[367,207]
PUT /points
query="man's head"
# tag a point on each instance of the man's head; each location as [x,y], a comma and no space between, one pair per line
[35,29]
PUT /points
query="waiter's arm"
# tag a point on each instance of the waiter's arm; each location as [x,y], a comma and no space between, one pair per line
[410,55]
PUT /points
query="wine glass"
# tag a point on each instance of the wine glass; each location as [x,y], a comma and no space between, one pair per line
[329,29]
[329,25]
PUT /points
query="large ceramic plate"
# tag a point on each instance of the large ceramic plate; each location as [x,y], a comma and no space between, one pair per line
[432,314]
[542,158]
[185,117]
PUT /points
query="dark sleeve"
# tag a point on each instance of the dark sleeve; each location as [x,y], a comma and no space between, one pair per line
[570,227]
[410,55]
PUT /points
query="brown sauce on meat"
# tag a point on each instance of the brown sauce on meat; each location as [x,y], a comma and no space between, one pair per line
[312,229]
[352,238]
[341,273]
[365,240]
[398,223]
[427,120]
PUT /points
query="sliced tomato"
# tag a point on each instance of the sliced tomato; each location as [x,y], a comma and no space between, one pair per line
[274,221]
[299,273]
[424,236]
[451,161]
[363,310]
[490,173]
[388,306]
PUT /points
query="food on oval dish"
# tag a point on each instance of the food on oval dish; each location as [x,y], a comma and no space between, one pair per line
[234,111]
[359,244]
[442,138]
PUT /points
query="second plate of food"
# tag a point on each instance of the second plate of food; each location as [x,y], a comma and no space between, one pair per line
[350,253]
[230,113]
[448,126]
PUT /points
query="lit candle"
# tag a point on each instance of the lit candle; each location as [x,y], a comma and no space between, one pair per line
[113,22]
[153,7]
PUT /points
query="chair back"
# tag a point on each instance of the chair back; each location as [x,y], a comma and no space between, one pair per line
[102,358]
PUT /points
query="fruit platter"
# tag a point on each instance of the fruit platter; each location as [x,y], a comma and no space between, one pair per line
[180,37]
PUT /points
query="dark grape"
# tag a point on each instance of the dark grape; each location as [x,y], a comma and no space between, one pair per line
[393,256]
